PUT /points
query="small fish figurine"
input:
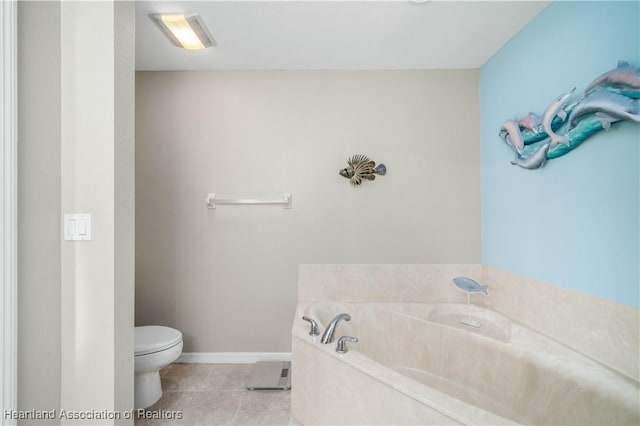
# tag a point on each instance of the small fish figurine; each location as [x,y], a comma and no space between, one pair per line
[470,286]
[360,167]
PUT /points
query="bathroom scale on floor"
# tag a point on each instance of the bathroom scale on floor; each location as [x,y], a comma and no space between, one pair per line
[270,375]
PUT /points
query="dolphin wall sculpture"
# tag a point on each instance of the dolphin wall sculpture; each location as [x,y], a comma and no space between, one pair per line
[612,97]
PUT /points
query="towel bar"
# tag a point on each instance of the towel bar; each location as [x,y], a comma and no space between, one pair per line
[213,201]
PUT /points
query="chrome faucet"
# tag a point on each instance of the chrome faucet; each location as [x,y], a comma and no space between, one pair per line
[327,336]
[342,347]
[314,326]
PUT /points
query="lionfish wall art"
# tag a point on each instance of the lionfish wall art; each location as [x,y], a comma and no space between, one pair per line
[611,98]
[361,167]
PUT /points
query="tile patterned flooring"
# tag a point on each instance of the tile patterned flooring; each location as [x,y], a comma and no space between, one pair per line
[216,394]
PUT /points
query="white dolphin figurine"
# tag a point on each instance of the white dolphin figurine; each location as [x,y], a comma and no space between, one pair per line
[556,108]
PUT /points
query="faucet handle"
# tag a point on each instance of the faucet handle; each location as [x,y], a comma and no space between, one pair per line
[314,326]
[341,348]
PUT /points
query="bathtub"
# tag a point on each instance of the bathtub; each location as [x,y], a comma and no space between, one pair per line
[419,364]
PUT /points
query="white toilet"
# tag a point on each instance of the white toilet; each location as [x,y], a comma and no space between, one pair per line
[155,348]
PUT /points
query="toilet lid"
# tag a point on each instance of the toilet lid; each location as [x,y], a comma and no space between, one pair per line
[155,338]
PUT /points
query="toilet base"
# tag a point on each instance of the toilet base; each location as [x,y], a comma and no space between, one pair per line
[147,389]
[147,386]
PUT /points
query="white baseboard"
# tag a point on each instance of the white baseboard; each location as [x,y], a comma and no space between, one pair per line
[232,357]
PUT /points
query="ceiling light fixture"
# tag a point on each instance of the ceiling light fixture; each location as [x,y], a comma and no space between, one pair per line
[186,30]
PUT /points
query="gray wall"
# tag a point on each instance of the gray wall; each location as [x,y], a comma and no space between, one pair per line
[124,202]
[76,154]
[227,277]
[39,153]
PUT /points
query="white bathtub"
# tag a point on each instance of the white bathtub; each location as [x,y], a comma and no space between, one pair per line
[417,364]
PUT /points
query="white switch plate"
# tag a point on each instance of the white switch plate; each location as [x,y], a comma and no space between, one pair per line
[77,227]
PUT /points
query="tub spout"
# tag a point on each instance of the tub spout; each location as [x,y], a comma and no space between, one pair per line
[327,336]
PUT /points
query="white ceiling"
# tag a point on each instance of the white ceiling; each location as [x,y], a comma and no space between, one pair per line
[335,34]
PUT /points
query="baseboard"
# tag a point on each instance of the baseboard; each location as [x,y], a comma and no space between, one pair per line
[232,357]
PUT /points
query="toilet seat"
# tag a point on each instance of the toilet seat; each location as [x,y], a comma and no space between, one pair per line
[154,338]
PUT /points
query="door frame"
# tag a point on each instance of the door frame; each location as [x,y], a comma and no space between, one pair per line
[8,210]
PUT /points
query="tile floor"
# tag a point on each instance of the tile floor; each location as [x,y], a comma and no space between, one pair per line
[216,394]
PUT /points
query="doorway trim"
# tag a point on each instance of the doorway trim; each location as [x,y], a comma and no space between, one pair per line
[8,211]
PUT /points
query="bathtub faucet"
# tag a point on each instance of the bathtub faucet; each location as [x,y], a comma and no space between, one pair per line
[327,336]
[342,347]
[313,331]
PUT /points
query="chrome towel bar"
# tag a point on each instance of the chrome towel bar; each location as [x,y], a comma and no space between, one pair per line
[213,201]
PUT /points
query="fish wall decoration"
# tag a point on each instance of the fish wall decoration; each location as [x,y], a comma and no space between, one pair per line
[611,98]
[361,167]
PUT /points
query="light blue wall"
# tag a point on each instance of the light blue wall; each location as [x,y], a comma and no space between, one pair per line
[575,222]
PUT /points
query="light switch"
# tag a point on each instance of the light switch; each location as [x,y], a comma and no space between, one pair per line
[81,227]
[77,227]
